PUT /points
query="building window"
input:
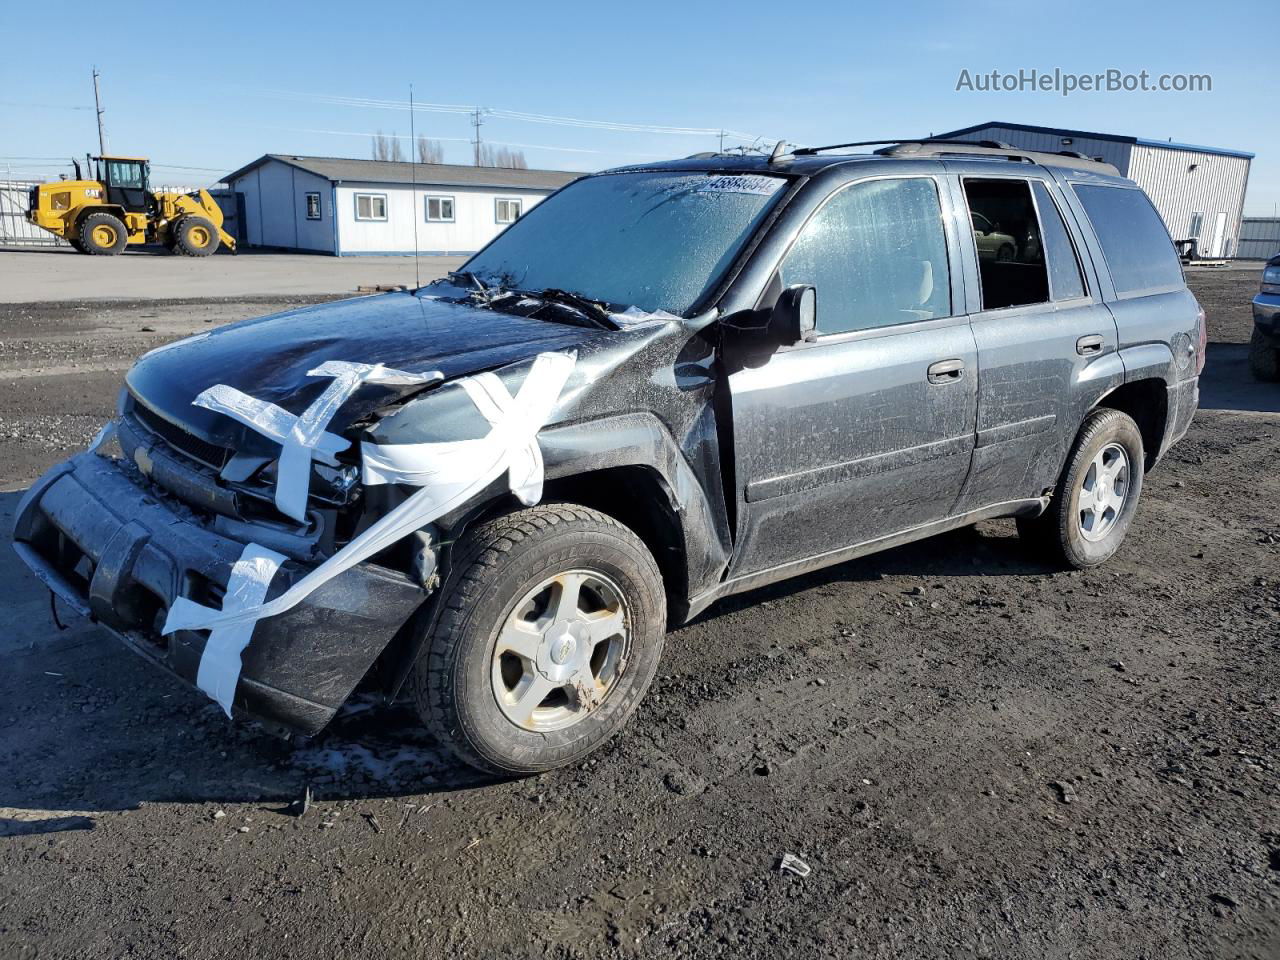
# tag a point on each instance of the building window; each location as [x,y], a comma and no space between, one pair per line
[440,209]
[507,211]
[371,206]
[1197,221]
[313,206]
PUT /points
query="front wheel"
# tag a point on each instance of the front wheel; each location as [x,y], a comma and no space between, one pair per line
[550,630]
[1096,497]
[195,236]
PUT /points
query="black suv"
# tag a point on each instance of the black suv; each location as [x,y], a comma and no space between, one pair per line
[1264,345]
[664,385]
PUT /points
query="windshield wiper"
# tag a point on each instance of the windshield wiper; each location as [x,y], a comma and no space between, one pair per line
[593,310]
[469,278]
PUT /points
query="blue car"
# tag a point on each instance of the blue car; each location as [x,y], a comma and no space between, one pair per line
[1264,347]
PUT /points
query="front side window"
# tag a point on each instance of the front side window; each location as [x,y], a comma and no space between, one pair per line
[656,240]
[440,209]
[313,206]
[1065,279]
[876,255]
[371,206]
[1010,249]
[123,173]
[507,211]
[1139,253]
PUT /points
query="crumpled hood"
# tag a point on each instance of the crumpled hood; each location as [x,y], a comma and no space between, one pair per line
[269,357]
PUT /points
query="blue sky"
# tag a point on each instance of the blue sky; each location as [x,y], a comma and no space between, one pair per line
[209,93]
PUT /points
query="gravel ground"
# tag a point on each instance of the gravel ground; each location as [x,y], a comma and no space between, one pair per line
[977,756]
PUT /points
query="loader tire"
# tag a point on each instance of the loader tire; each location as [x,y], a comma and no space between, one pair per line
[103,235]
[77,246]
[195,237]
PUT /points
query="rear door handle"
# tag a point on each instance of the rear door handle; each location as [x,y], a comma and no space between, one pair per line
[1089,345]
[946,371]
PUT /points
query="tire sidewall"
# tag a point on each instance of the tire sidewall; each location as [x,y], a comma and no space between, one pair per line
[184,245]
[86,234]
[1103,428]
[1264,358]
[499,742]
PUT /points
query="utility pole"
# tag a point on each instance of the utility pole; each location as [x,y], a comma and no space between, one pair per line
[97,102]
[722,141]
[476,121]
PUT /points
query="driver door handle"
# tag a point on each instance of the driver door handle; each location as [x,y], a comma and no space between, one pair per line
[946,371]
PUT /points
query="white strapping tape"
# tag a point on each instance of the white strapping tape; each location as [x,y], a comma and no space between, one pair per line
[219,670]
[448,474]
[103,436]
[304,437]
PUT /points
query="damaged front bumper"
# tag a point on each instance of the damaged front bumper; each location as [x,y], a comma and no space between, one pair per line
[119,551]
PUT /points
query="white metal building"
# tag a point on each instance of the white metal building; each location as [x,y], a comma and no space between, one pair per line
[368,207]
[1199,191]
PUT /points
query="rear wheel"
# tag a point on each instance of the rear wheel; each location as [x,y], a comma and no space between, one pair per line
[1006,254]
[103,235]
[195,236]
[1264,358]
[1095,498]
[550,631]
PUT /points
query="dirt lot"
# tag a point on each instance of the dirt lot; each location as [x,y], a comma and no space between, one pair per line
[978,756]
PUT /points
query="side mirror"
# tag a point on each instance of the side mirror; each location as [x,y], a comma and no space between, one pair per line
[795,315]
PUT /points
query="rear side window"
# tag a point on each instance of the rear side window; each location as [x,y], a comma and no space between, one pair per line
[1140,255]
[1065,281]
[876,255]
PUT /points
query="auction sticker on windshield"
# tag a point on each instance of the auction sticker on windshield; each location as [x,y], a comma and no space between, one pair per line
[762,186]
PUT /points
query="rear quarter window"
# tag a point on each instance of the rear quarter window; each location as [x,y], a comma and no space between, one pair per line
[1139,253]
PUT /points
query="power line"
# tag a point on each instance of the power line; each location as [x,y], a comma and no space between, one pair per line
[42,106]
[517,115]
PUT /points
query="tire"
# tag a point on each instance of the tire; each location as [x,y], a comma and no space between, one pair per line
[462,681]
[77,246]
[1072,533]
[1006,254]
[1264,358]
[103,235]
[195,236]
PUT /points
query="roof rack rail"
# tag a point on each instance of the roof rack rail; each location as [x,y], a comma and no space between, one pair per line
[993,149]
[810,151]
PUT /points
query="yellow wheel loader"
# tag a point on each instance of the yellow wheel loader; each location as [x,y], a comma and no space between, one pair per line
[103,215]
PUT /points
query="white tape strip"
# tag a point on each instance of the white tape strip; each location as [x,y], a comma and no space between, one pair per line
[103,436]
[450,474]
[303,437]
[246,587]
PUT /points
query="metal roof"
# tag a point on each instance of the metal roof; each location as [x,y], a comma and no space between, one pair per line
[1115,138]
[341,169]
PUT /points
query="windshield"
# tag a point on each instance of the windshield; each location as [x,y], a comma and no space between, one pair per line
[656,241]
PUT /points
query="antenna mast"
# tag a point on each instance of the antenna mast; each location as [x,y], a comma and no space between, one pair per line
[97,102]
[413,179]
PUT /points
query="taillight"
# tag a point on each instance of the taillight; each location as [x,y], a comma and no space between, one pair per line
[1202,338]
